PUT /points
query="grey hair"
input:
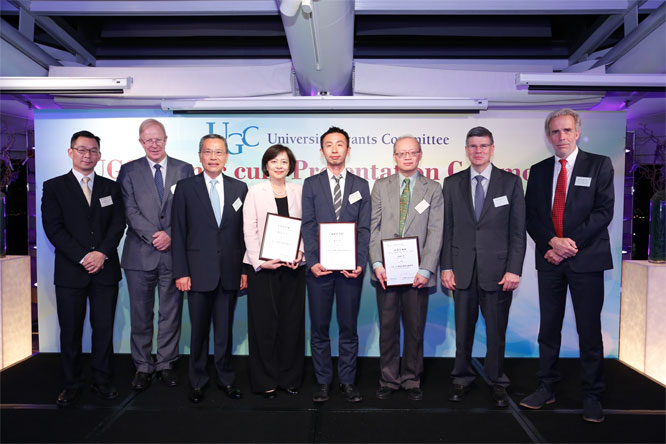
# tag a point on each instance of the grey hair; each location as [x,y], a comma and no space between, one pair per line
[563,112]
[150,122]
[407,137]
[213,136]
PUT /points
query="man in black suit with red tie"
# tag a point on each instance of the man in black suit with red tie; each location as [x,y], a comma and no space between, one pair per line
[569,203]
[84,218]
[207,249]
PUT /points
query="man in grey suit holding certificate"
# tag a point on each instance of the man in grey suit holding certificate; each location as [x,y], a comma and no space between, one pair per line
[482,258]
[148,184]
[405,204]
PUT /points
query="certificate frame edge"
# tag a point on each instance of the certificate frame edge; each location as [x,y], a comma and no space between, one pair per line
[418,254]
[263,236]
[355,243]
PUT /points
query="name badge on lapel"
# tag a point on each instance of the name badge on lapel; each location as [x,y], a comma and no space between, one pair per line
[422,206]
[583,181]
[105,201]
[237,204]
[354,197]
[500,201]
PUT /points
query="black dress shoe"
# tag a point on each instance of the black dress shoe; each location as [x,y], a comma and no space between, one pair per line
[322,394]
[384,392]
[500,396]
[197,395]
[231,391]
[270,394]
[141,381]
[105,390]
[351,393]
[168,377]
[292,390]
[457,392]
[415,394]
[67,397]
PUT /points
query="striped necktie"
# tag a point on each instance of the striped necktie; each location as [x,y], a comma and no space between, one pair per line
[337,197]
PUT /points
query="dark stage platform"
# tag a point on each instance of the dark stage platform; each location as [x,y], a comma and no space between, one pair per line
[634,407]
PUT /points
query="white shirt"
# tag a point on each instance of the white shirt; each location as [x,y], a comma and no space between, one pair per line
[79,177]
[218,187]
[331,182]
[485,174]
[571,160]
[162,164]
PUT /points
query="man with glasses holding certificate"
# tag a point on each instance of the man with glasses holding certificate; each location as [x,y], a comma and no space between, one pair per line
[148,184]
[407,217]
[333,201]
[482,259]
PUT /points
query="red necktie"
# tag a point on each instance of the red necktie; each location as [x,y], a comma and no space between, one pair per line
[560,198]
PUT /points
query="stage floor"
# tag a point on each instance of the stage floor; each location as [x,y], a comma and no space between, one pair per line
[634,407]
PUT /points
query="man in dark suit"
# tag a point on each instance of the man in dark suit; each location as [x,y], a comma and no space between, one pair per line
[482,259]
[570,202]
[208,248]
[335,195]
[83,217]
[405,204]
[148,184]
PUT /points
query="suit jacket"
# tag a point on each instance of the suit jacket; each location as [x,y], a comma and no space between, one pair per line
[497,241]
[144,212]
[588,210]
[318,207]
[202,250]
[259,202]
[75,229]
[427,225]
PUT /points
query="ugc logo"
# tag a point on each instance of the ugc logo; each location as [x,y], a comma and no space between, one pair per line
[240,139]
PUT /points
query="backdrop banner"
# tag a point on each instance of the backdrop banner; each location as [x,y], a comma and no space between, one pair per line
[519,143]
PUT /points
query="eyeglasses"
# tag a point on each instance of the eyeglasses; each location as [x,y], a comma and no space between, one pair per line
[83,151]
[209,153]
[157,142]
[483,147]
[407,153]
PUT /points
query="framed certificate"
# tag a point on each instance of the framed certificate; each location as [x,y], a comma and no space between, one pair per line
[401,258]
[281,238]
[337,245]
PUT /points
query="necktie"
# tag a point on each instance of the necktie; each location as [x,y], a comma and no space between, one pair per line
[86,189]
[479,197]
[404,204]
[215,202]
[337,197]
[159,183]
[560,198]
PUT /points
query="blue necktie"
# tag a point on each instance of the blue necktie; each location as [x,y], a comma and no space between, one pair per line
[479,197]
[159,183]
[215,202]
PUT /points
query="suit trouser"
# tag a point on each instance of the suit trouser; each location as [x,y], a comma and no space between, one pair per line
[495,309]
[587,297]
[141,286]
[276,327]
[71,305]
[218,305]
[410,304]
[346,292]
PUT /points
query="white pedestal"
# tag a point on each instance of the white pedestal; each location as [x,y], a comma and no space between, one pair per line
[15,317]
[643,318]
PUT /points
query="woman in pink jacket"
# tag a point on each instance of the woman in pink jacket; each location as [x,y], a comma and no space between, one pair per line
[276,289]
